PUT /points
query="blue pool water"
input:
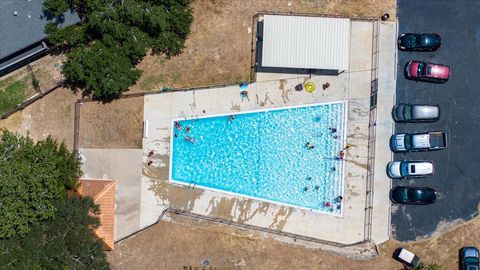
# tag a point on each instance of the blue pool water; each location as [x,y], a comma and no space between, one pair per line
[263,155]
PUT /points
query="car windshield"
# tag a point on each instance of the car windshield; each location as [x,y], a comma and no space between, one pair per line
[421,68]
[429,70]
[408,142]
[471,260]
[413,195]
[407,112]
[414,40]
[403,195]
[404,169]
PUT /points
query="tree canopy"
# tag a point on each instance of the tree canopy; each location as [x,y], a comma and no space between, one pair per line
[64,241]
[41,227]
[32,177]
[114,36]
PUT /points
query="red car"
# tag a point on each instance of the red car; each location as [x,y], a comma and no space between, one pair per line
[427,72]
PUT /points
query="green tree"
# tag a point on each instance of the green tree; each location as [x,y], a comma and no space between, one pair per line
[121,31]
[100,69]
[55,8]
[62,242]
[32,177]
[72,34]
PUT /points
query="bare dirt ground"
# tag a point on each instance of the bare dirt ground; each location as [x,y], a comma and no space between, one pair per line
[52,115]
[46,69]
[189,243]
[117,124]
[218,48]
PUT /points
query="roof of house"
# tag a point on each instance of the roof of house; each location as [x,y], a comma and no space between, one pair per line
[27,27]
[103,194]
[306,42]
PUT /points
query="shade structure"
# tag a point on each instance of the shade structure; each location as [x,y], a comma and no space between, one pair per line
[305,42]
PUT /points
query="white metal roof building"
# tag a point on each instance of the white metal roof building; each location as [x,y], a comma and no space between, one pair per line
[305,42]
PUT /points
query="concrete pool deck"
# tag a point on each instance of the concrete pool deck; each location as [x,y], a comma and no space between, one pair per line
[159,109]
[277,90]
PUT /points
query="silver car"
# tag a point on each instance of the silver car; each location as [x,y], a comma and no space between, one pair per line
[414,113]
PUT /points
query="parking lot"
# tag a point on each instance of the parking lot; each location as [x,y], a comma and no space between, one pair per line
[456,176]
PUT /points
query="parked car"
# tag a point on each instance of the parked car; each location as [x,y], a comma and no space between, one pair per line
[409,169]
[469,258]
[406,257]
[419,42]
[413,195]
[412,113]
[427,72]
[427,141]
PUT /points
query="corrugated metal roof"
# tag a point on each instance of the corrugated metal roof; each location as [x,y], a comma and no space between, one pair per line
[305,42]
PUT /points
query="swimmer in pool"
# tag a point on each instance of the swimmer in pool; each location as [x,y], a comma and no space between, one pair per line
[177,125]
[309,145]
[190,139]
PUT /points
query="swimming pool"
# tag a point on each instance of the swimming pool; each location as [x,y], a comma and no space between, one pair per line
[264,155]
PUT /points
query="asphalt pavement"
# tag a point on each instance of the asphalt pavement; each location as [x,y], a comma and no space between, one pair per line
[457,168]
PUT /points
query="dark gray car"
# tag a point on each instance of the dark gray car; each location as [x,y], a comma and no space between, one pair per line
[413,195]
[419,42]
[414,113]
[469,258]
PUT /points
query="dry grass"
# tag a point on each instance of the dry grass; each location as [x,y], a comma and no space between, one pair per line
[188,243]
[52,115]
[117,124]
[218,49]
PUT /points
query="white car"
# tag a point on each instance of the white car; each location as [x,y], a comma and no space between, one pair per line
[409,169]
[406,257]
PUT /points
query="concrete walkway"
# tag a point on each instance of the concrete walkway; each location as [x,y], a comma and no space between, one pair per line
[384,128]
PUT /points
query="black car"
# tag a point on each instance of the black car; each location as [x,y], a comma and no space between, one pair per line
[419,42]
[412,195]
[469,258]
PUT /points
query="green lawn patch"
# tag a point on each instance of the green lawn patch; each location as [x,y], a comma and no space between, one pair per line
[12,94]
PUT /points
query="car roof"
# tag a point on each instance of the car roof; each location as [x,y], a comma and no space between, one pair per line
[470,252]
[415,194]
[438,71]
[425,111]
[430,39]
[420,167]
[406,255]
